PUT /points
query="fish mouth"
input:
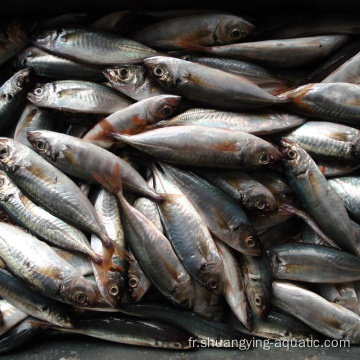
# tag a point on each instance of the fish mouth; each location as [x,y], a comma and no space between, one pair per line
[32,136]
[285,145]
[111,74]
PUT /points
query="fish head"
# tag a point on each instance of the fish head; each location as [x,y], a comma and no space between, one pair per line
[355,147]
[259,153]
[111,284]
[295,158]
[45,143]
[184,295]
[21,80]
[138,284]
[7,187]
[41,94]
[213,275]
[259,298]
[12,154]
[58,316]
[256,199]
[78,291]
[165,70]
[127,76]
[245,240]
[163,106]
[46,38]
[232,29]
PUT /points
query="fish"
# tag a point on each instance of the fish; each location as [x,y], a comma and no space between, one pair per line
[235,294]
[133,119]
[78,96]
[189,236]
[118,22]
[138,283]
[255,122]
[49,187]
[38,264]
[204,147]
[338,102]
[346,188]
[278,325]
[23,297]
[242,188]
[70,154]
[156,256]
[313,263]
[318,196]
[224,218]
[111,282]
[33,118]
[257,282]
[13,97]
[282,53]
[198,29]
[207,85]
[52,66]
[10,316]
[131,331]
[331,320]
[327,140]
[210,333]
[91,45]
[19,335]
[40,222]
[208,304]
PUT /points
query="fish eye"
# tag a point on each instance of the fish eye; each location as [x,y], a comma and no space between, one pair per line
[264,159]
[124,73]
[213,284]
[63,38]
[40,145]
[133,282]
[2,182]
[4,153]
[250,242]
[177,345]
[81,298]
[159,71]
[236,34]
[20,82]
[260,204]
[60,319]
[167,110]
[114,290]
[38,91]
[292,154]
[258,300]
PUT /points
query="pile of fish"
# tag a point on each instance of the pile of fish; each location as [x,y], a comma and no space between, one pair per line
[178,176]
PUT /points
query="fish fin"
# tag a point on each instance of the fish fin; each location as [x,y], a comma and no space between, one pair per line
[43,324]
[71,159]
[190,46]
[112,183]
[123,253]
[322,169]
[120,137]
